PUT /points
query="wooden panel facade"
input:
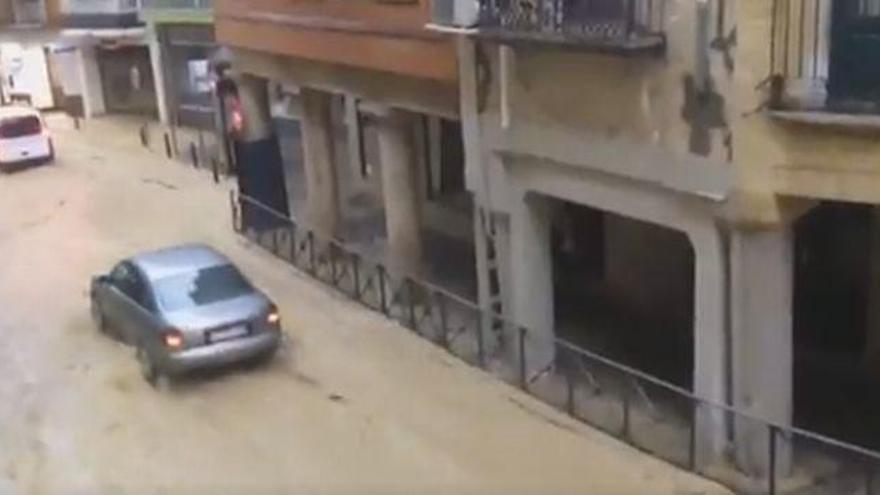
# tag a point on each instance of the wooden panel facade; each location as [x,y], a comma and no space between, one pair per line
[386,36]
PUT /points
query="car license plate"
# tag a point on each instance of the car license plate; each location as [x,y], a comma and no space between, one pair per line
[228,333]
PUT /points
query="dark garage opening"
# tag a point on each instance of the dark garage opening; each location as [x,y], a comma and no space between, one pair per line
[835,392]
[624,288]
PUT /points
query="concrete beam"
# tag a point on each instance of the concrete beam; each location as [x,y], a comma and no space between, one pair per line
[410,93]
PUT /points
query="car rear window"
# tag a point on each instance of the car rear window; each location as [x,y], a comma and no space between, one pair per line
[20,126]
[200,287]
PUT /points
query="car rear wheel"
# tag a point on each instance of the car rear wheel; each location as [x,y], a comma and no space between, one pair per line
[148,368]
[51,158]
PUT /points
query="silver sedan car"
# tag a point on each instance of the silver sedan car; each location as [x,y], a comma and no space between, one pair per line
[185,308]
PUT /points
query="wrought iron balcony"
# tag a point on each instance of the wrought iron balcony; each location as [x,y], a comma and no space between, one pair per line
[25,13]
[86,14]
[620,25]
[179,4]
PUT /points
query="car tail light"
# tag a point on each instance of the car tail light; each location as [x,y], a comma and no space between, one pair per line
[173,339]
[274,317]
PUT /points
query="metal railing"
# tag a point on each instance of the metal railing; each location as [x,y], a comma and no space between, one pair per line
[179,4]
[652,415]
[611,23]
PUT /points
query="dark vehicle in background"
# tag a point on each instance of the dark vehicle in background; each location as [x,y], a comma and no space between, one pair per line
[185,308]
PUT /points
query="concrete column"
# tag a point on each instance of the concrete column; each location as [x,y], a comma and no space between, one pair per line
[90,82]
[354,137]
[531,265]
[400,191]
[435,156]
[481,256]
[761,317]
[710,341]
[322,182]
[872,326]
[502,247]
[253,93]
[420,151]
[157,63]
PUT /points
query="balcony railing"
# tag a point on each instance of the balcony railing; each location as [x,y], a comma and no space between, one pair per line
[27,12]
[99,14]
[612,24]
[179,4]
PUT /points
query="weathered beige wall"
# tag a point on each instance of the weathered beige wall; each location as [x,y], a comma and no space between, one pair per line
[638,98]
[635,116]
[794,159]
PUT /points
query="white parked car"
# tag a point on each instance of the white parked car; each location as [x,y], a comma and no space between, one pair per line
[24,137]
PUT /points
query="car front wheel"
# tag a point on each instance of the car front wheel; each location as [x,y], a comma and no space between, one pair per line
[98,317]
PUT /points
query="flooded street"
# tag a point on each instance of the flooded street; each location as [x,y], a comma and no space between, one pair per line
[352,404]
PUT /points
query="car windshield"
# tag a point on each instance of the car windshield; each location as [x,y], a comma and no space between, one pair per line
[200,287]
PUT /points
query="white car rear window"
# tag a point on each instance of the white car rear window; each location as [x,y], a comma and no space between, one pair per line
[14,127]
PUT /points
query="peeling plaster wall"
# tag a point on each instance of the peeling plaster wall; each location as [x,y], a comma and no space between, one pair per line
[794,159]
[645,118]
[641,117]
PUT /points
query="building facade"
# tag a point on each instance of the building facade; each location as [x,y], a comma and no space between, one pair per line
[181,36]
[95,57]
[688,187]
[375,95]
[690,160]
[105,43]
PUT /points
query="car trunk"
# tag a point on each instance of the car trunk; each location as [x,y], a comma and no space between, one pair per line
[199,323]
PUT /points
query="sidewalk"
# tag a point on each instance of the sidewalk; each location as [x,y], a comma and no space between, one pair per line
[355,404]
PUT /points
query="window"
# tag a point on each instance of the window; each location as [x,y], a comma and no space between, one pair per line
[122,277]
[20,127]
[200,287]
[868,8]
[126,278]
[854,76]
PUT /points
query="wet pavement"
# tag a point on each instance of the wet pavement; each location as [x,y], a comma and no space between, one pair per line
[353,403]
